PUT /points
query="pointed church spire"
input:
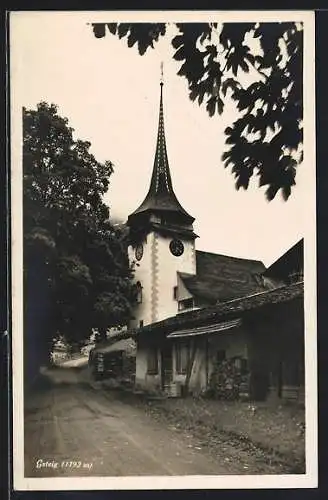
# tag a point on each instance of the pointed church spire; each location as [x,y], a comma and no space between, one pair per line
[161,209]
[161,197]
[161,177]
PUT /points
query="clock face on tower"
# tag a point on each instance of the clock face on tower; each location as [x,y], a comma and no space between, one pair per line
[139,252]
[176,247]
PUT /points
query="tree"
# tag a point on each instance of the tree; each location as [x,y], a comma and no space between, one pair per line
[266,139]
[76,270]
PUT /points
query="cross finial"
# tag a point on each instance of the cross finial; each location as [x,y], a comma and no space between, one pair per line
[162,73]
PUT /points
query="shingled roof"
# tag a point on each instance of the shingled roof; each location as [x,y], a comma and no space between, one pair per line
[161,196]
[230,309]
[290,261]
[221,277]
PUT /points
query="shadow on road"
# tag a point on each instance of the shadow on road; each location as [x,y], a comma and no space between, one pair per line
[57,376]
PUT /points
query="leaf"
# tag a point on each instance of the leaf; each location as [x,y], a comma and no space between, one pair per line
[99,29]
[250,58]
[220,105]
[229,83]
[244,66]
[212,51]
[277,89]
[194,93]
[143,46]
[286,192]
[122,29]
[225,156]
[201,96]
[112,27]
[271,192]
[177,41]
[183,69]
[210,106]
[180,55]
[234,66]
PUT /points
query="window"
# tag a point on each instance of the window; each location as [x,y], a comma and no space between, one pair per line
[152,361]
[182,357]
[175,292]
[139,292]
[185,304]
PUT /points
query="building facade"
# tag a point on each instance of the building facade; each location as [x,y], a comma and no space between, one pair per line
[249,348]
[171,275]
[256,346]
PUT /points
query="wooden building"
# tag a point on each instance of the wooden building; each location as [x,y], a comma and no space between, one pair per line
[206,321]
[259,338]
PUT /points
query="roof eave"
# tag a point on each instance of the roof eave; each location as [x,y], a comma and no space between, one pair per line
[228,309]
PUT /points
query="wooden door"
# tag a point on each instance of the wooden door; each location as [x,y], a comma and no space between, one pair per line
[166,365]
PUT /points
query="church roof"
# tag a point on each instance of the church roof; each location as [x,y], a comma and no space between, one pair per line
[227,310]
[289,262]
[161,196]
[221,277]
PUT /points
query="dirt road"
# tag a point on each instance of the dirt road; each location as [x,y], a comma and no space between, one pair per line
[74,429]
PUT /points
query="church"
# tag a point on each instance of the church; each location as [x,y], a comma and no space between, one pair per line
[205,322]
[171,275]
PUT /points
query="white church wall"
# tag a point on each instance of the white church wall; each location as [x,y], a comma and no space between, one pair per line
[157,273]
[183,293]
[143,273]
[166,267]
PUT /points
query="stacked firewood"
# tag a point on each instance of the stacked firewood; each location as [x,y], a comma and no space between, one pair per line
[228,381]
[129,368]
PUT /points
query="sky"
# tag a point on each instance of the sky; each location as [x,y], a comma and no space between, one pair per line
[110,95]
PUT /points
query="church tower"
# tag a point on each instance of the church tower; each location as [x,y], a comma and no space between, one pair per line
[162,240]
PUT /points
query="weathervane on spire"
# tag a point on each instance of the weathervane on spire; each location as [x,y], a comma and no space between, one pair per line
[162,73]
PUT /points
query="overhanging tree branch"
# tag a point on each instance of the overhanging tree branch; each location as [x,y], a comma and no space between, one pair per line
[274,51]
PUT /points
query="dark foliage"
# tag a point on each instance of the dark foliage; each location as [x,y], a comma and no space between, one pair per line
[266,139]
[76,271]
